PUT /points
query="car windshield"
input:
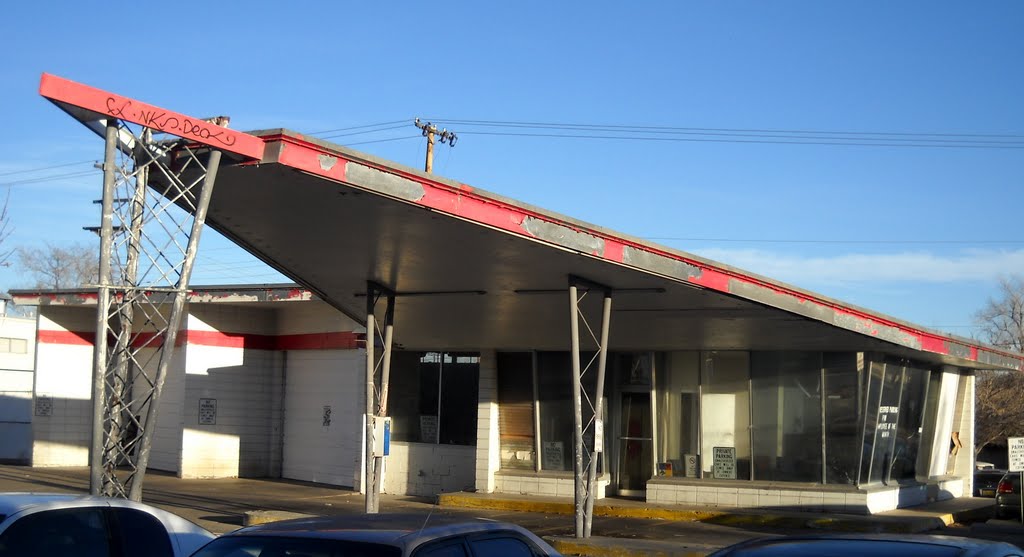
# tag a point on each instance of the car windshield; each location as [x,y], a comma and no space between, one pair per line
[267,546]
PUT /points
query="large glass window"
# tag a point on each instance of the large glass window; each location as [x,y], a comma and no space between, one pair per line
[725,415]
[909,424]
[843,418]
[885,425]
[678,413]
[515,410]
[554,385]
[433,397]
[786,404]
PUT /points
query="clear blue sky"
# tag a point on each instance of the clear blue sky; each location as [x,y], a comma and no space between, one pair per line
[918,233]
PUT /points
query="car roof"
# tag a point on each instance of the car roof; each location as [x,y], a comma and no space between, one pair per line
[11,503]
[880,544]
[392,529]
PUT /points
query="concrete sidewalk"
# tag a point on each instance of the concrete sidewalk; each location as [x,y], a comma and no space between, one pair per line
[621,527]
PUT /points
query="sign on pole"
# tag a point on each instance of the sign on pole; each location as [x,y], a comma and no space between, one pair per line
[1016,447]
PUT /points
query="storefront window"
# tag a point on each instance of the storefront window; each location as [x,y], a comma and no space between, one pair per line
[554,387]
[885,432]
[909,425]
[433,397]
[843,385]
[725,415]
[678,414]
[786,404]
[515,410]
[874,390]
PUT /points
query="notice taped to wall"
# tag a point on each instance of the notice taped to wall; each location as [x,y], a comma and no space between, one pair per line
[553,457]
[428,429]
[207,411]
[724,467]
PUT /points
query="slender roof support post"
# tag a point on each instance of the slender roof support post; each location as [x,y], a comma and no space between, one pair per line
[584,460]
[99,356]
[606,314]
[376,405]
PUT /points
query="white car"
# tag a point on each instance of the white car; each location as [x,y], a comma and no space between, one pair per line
[381,535]
[59,525]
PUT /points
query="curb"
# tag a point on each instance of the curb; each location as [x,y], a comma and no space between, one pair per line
[907,525]
[252,518]
[618,547]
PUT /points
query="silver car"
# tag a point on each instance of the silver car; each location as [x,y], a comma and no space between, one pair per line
[383,535]
[59,525]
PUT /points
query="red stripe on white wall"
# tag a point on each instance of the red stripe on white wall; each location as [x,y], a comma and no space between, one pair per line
[339,340]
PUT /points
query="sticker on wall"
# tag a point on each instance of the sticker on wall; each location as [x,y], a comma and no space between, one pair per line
[44,406]
[207,411]
[327,416]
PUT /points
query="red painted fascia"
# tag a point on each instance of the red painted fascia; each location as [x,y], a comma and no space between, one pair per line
[464,202]
[106,104]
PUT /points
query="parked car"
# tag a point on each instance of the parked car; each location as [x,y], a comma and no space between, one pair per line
[986,481]
[59,525]
[384,535]
[897,545]
[1008,496]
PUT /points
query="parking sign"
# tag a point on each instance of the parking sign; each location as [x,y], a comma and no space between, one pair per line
[1016,446]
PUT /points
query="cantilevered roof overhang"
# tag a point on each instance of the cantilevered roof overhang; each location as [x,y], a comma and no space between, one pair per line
[476,270]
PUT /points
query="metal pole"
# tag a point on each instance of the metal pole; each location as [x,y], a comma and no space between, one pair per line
[174,322]
[385,377]
[99,361]
[606,316]
[371,334]
[577,406]
[121,442]
[537,440]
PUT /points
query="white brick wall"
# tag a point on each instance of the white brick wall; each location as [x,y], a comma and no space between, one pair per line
[241,382]
[429,469]
[64,378]
[165,453]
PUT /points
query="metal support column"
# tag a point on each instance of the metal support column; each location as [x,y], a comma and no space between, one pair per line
[148,247]
[376,401]
[99,363]
[174,321]
[588,408]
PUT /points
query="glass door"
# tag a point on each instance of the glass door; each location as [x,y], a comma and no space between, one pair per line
[636,443]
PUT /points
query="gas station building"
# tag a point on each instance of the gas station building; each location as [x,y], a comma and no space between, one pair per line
[723,388]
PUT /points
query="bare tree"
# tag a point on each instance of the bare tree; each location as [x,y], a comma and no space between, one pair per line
[5,231]
[999,410]
[999,407]
[59,267]
[1001,321]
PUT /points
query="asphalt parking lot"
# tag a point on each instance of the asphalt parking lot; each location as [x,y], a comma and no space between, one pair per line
[223,505]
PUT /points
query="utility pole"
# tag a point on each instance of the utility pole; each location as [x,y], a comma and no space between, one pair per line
[429,130]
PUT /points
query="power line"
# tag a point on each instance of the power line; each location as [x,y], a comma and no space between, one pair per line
[363,132]
[49,178]
[858,143]
[509,123]
[42,168]
[383,140]
[406,120]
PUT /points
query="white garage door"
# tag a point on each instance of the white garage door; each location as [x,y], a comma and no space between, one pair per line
[323,417]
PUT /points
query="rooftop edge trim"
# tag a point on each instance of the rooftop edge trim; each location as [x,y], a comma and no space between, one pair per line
[96,105]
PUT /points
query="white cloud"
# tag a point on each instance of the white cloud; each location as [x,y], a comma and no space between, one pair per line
[968,265]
